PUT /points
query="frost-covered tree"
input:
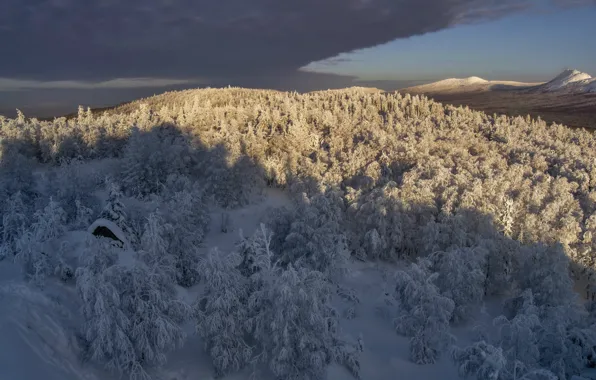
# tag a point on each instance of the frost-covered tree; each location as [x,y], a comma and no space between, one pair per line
[519,341]
[83,216]
[222,311]
[16,174]
[424,313]
[149,157]
[155,247]
[114,210]
[132,314]
[461,278]
[35,249]
[298,330]
[500,264]
[541,374]
[189,219]
[566,345]
[68,183]
[545,270]
[481,361]
[15,221]
[315,238]
[255,252]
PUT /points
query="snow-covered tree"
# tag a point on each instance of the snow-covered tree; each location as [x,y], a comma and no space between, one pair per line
[481,361]
[222,311]
[189,219]
[132,314]
[424,312]
[315,238]
[255,252]
[541,374]
[500,264]
[34,248]
[461,278]
[545,270]
[566,346]
[83,215]
[114,210]
[68,183]
[155,247]
[373,244]
[149,157]
[15,221]
[518,339]
[298,330]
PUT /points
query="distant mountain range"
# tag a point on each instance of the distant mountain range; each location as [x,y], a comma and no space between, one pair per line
[568,82]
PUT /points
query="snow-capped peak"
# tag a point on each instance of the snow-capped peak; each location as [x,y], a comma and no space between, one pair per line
[460,81]
[569,80]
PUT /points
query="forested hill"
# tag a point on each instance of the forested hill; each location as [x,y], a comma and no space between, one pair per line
[474,208]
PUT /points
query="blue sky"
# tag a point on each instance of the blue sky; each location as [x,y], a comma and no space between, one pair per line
[530,46]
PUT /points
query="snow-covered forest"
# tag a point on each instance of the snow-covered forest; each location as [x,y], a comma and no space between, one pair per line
[271,235]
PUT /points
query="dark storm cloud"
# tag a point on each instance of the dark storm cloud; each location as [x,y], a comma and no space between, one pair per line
[105,39]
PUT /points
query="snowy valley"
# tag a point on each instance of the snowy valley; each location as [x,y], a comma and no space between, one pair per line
[245,234]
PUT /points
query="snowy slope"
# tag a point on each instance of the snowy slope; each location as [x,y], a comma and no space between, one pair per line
[37,330]
[570,81]
[40,326]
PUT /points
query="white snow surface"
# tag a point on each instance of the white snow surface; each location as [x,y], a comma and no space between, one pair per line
[38,326]
[570,81]
[37,330]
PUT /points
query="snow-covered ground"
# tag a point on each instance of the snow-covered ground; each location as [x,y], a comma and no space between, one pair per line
[38,326]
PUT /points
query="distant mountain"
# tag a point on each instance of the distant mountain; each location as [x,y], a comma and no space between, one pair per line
[471,84]
[569,82]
